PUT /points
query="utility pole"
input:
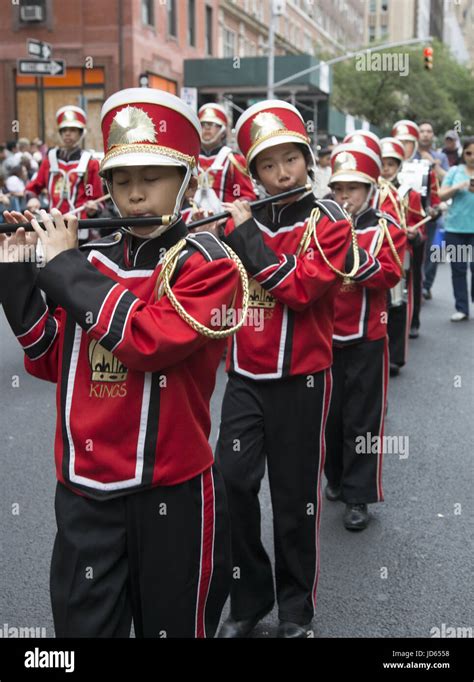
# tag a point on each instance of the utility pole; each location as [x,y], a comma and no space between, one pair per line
[277,9]
[271,53]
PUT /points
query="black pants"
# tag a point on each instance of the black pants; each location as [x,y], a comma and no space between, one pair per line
[160,557]
[283,422]
[360,376]
[417,274]
[398,326]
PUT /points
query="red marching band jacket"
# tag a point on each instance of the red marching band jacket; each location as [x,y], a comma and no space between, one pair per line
[228,175]
[361,304]
[407,210]
[133,379]
[70,184]
[290,323]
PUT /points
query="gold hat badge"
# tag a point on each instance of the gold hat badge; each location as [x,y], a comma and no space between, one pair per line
[265,124]
[345,161]
[131,125]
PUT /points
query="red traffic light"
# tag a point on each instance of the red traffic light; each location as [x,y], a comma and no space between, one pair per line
[428,58]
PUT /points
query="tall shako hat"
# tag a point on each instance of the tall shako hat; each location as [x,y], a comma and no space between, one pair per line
[270,123]
[406,130]
[392,148]
[71,117]
[354,163]
[147,127]
[364,138]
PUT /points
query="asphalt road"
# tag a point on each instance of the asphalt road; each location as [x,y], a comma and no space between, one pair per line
[409,572]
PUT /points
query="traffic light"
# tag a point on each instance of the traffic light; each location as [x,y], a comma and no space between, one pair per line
[428,58]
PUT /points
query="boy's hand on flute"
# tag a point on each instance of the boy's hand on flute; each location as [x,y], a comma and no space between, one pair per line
[239,210]
[57,237]
[20,246]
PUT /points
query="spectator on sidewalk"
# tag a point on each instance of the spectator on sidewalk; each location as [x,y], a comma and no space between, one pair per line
[322,174]
[440,164]
[452,148]
[458,185]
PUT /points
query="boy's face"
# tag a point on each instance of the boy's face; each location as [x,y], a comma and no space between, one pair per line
[351,195]
[209,132]
[389,168]
[145,191]
[281,168]
[409,148]
[70,136]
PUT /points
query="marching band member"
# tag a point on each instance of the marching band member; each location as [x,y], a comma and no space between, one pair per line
[279,386]
[408,133]
[138,499]
[223,174]
[404,203]
[360,365]
[69,173]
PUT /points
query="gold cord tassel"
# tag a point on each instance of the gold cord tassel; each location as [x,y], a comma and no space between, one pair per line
[385,233]
[163,287]
[310,231]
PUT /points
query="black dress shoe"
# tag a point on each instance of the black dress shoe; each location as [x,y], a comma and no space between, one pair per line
[287,630]
[332,493]
[356,516]
[414,333]
[235,629]
[394,370]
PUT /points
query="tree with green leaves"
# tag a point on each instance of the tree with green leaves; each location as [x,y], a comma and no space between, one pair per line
[393,84]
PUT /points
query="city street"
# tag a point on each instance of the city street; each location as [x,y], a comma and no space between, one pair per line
[407,575]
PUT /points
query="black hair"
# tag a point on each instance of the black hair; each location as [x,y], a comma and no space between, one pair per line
[303,149]
[467,143]
[427,123]
[11,144]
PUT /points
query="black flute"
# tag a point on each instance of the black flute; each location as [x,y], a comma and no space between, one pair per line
[149,221]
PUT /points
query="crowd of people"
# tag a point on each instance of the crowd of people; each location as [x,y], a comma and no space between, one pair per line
[325,279]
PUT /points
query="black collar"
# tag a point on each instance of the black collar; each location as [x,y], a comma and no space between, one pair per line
[276,215]
[211,152]
[147,253]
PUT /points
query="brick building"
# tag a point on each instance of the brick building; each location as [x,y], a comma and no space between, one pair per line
[106,46]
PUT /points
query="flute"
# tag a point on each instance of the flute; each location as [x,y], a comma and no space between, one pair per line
[150,221]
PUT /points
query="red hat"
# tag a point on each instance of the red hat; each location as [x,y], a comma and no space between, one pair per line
[147,127]
[213,113]
[364,138]
[354,163]
[392,148]
[71,117]
[267,124]
[406,130]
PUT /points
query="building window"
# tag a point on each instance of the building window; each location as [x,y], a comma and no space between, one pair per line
[148,17]
[372,34]
[384,6]
[209,29]
[373,6]
[32,11]
[171,4]
[192,22]
[229,43]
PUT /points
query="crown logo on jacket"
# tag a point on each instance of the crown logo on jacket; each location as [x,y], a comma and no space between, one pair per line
[104,365]
[131,125]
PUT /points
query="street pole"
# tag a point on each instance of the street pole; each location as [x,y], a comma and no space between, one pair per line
[271,54]
[350,55]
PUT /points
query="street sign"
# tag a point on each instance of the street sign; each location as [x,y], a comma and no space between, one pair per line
[36,48]
[190,96]
[41,67]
